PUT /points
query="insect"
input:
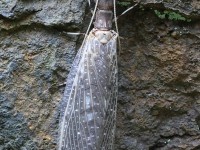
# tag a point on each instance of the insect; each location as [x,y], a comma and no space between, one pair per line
[89,104]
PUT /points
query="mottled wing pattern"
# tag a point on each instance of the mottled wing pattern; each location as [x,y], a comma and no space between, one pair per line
[89,104]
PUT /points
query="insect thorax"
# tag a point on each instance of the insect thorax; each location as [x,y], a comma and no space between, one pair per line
[103,36]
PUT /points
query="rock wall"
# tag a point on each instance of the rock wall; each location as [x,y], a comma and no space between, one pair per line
[159,73]
[159,79]
[35,57]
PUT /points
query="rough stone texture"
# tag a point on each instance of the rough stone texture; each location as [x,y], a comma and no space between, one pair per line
[159,74]
[35,57]
[159,80]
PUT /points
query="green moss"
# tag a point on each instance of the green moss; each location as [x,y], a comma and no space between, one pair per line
[171,15]
[124,3]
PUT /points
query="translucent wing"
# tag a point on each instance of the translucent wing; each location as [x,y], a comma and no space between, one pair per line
[89,104]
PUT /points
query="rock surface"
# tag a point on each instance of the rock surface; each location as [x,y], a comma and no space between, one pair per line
[159,73]
[35,57]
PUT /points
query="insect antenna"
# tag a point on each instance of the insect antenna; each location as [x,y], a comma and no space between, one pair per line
[127,10]
[91,21]
[116,26]
[117,17]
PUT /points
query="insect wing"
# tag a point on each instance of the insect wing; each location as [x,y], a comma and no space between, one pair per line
[89,103]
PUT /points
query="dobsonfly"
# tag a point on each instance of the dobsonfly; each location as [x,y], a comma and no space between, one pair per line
[89,104]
